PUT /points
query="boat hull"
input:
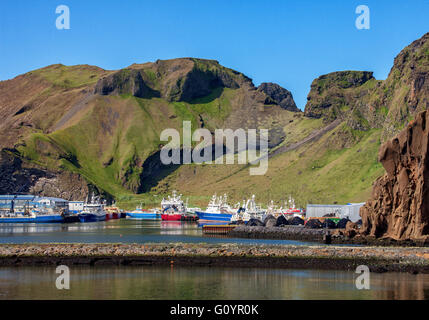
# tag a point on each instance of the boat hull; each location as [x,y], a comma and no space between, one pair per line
[143,216]
[37,219]
[89,217]
[71,218]
[171,217]
[208,216]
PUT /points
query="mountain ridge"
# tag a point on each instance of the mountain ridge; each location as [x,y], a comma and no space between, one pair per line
[99,129]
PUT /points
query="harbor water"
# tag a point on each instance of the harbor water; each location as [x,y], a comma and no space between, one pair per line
[119,231]
[205,283]
[159,282]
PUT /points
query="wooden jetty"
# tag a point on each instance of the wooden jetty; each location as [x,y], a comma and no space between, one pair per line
[218,229]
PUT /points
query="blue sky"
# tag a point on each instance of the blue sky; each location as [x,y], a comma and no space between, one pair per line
[287,42]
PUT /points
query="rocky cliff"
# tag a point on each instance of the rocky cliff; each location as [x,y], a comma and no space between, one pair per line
[406,90]
[18,176]
[399,205]
[173,80]
[344,95]
[278,95]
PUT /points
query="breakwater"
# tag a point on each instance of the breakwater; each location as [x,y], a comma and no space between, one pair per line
[287,232]
[302,233]
[378,259]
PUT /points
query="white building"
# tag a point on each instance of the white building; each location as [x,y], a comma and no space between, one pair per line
[53,202]
[75,206]
[320,210]
[350,210]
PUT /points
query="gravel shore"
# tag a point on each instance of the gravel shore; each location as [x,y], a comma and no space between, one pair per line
[378,259]
[301,233]
[286,233]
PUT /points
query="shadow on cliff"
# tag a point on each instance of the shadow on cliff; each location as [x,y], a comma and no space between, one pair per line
[154,171]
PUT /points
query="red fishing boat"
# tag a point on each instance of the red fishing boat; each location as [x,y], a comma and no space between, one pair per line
[173,208]
[171,216]
[112,212]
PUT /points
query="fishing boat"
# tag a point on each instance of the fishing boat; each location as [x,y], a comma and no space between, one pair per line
[241,216]
[41,215]
[273,209]
[69,217]
[31,209]
[292,211]
[140,214]
[171,216]
[191,210]
[218,209]
[173,208]
[112,212]
[249,210]
[92,212]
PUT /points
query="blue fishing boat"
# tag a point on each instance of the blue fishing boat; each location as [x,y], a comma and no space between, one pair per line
[140,214]
[31,209]
[214,216]
[92,212]
[32,217]
[217,210]
[91,217]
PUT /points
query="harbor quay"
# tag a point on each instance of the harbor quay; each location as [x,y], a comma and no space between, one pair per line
[378,259]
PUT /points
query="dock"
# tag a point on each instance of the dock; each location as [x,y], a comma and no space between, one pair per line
[218,229]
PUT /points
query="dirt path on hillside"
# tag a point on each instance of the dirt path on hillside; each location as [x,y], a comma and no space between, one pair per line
[314,136]
[76,108]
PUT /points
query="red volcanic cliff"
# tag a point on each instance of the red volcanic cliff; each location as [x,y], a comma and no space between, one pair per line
[399,205]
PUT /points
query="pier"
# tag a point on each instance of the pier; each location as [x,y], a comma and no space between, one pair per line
[218,229]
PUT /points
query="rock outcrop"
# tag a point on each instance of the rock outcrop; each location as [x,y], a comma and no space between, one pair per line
[399,205]
[278,95]
[339,95]
[405,92]
[17,176]
[183,79]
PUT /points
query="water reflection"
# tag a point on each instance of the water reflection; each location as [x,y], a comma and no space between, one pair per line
[206,283]
[118,231]
[179,228]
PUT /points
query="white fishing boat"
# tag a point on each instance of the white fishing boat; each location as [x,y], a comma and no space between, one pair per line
[249,210]
[92,211]
[291,210]
[273,209]
[191,210]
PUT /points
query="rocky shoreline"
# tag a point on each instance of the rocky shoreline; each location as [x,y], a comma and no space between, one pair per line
[301,233]
[288,232]
[378,259]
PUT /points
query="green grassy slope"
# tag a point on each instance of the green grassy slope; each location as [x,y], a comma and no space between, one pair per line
[104,125]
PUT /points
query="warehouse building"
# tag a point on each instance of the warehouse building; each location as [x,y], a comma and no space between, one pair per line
[22,202]
[350,210]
